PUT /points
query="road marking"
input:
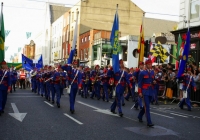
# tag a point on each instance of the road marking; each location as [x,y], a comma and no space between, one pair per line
[110,102]
[87,105]
[16,114]
[73,119]
[169,111]
[104,111]
[179,115]
[162,115]
[49,104]
[130,119]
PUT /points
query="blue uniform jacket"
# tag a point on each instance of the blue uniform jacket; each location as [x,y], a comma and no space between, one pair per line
[186,80]
[145,82]
[123,82]
[59,79]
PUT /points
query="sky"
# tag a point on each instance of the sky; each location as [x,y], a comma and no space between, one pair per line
[21,16]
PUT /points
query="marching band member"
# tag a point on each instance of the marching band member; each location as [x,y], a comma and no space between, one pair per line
[5,85]
[111,81]
[95,82]
[121,78]
[13,74]
[52,86]
[188,85]
[105,80]
[132,81]
[85,82]
[47,83]
[33,80]
[41,79]
[59,84]
[75,82]
[136,76]
[145,91]
[38,81]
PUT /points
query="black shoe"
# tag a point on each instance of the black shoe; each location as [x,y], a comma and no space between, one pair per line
[189,110]
[123,104]
[113,111]
[52,102]
[136,107]
[2,111]
[121,114]
[150,125]
[58,105]
[85,97]
[42,95]
[72,111]
[107,101]
[140,120]
[126,99]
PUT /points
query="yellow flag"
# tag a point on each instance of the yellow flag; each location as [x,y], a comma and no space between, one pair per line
[141,44]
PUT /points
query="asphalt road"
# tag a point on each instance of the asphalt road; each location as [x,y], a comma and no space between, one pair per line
[92,120]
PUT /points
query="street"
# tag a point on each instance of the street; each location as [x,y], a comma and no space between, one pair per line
[41,120]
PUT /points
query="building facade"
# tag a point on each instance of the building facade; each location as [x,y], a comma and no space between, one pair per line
[190,17]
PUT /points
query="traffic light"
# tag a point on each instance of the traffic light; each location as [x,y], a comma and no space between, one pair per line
[146,48]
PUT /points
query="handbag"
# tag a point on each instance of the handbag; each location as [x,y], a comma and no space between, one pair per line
[185,91]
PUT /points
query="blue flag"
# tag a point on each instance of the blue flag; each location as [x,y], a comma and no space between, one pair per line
[114,39]
[71,55]
[27,63]
[185,55]
[40,63]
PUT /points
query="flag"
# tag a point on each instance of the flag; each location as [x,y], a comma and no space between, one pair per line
[39,63]
[27,63]
[185,55]
[72,52]
[178,50]
[2,35]
[141,44]
[114,39]
[153,59]
[160,51]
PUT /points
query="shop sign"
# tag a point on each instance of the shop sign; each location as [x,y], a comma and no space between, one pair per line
[195,35]
[193,46]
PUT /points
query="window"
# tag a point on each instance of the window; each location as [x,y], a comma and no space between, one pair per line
[72,16]
[60,41]
[88,37]
[72,34]
[107,50]
[82,40]
[85,39]
[194,9]
[81,54]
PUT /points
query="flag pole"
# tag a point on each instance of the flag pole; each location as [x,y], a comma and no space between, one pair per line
[141,30]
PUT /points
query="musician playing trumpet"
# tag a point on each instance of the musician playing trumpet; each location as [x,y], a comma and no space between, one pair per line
[131,92]
[85,81]
[59,78]
[95,79]
[105,81]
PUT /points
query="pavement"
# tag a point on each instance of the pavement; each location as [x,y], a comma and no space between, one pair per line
[29,116]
